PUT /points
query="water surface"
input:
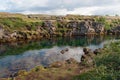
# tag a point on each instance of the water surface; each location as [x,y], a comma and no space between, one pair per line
[27,55]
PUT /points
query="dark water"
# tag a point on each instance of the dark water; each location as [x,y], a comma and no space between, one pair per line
[27,55]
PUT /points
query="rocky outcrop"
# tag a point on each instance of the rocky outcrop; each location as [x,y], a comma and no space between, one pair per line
[86,28]
[1,32]
[98,27]
[86,50]
[49,26]
[114,31]
[20,35]
[56,28]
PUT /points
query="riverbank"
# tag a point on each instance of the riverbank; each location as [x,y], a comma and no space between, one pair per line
[18,27]
[99,64]
[107,65]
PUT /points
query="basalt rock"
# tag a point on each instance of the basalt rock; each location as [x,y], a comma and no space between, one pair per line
[86,50]
[64,50]
[60,64]
[86,28]
[114,31]
[82,57]
[49,26]
[71,61]
[72,24]
[97,51]
[98,27]
[1,32]
[56,28]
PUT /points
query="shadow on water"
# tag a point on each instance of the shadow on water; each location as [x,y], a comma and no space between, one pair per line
[27,55]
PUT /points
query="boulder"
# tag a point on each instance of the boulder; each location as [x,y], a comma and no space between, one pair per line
[71,61]
[97,51]
[82,57]
[86,50]
[72,24]
[90,27]
[49,27]
[98,27]
[114,31]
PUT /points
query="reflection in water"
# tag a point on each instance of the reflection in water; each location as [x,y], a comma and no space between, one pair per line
[44,52]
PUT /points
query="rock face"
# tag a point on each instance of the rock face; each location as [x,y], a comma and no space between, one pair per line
[98,27]
[55,28]
[48,25]
[114,31]
[1,32]
[86,27]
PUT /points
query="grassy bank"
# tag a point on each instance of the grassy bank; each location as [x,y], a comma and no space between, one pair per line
[107,65]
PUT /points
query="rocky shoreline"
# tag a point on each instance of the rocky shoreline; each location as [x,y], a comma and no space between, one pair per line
[65,70]
[71,65]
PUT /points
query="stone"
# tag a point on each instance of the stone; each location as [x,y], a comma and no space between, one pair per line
[71,61]
[57,64]
[64,50]
[96,51]
[1,32]
[82,58]
[86,50]
[115,30]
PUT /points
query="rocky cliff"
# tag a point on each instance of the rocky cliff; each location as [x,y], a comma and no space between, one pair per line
[16,27]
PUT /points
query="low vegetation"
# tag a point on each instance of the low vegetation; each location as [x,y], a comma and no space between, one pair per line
[107,65]
[109,24]
[18,24]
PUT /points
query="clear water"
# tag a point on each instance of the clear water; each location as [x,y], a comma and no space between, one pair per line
[27,55]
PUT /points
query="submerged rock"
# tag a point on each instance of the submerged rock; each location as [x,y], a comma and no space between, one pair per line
[64,50]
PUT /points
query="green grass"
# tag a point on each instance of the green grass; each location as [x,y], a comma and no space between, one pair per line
[16,23]
[107,65]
